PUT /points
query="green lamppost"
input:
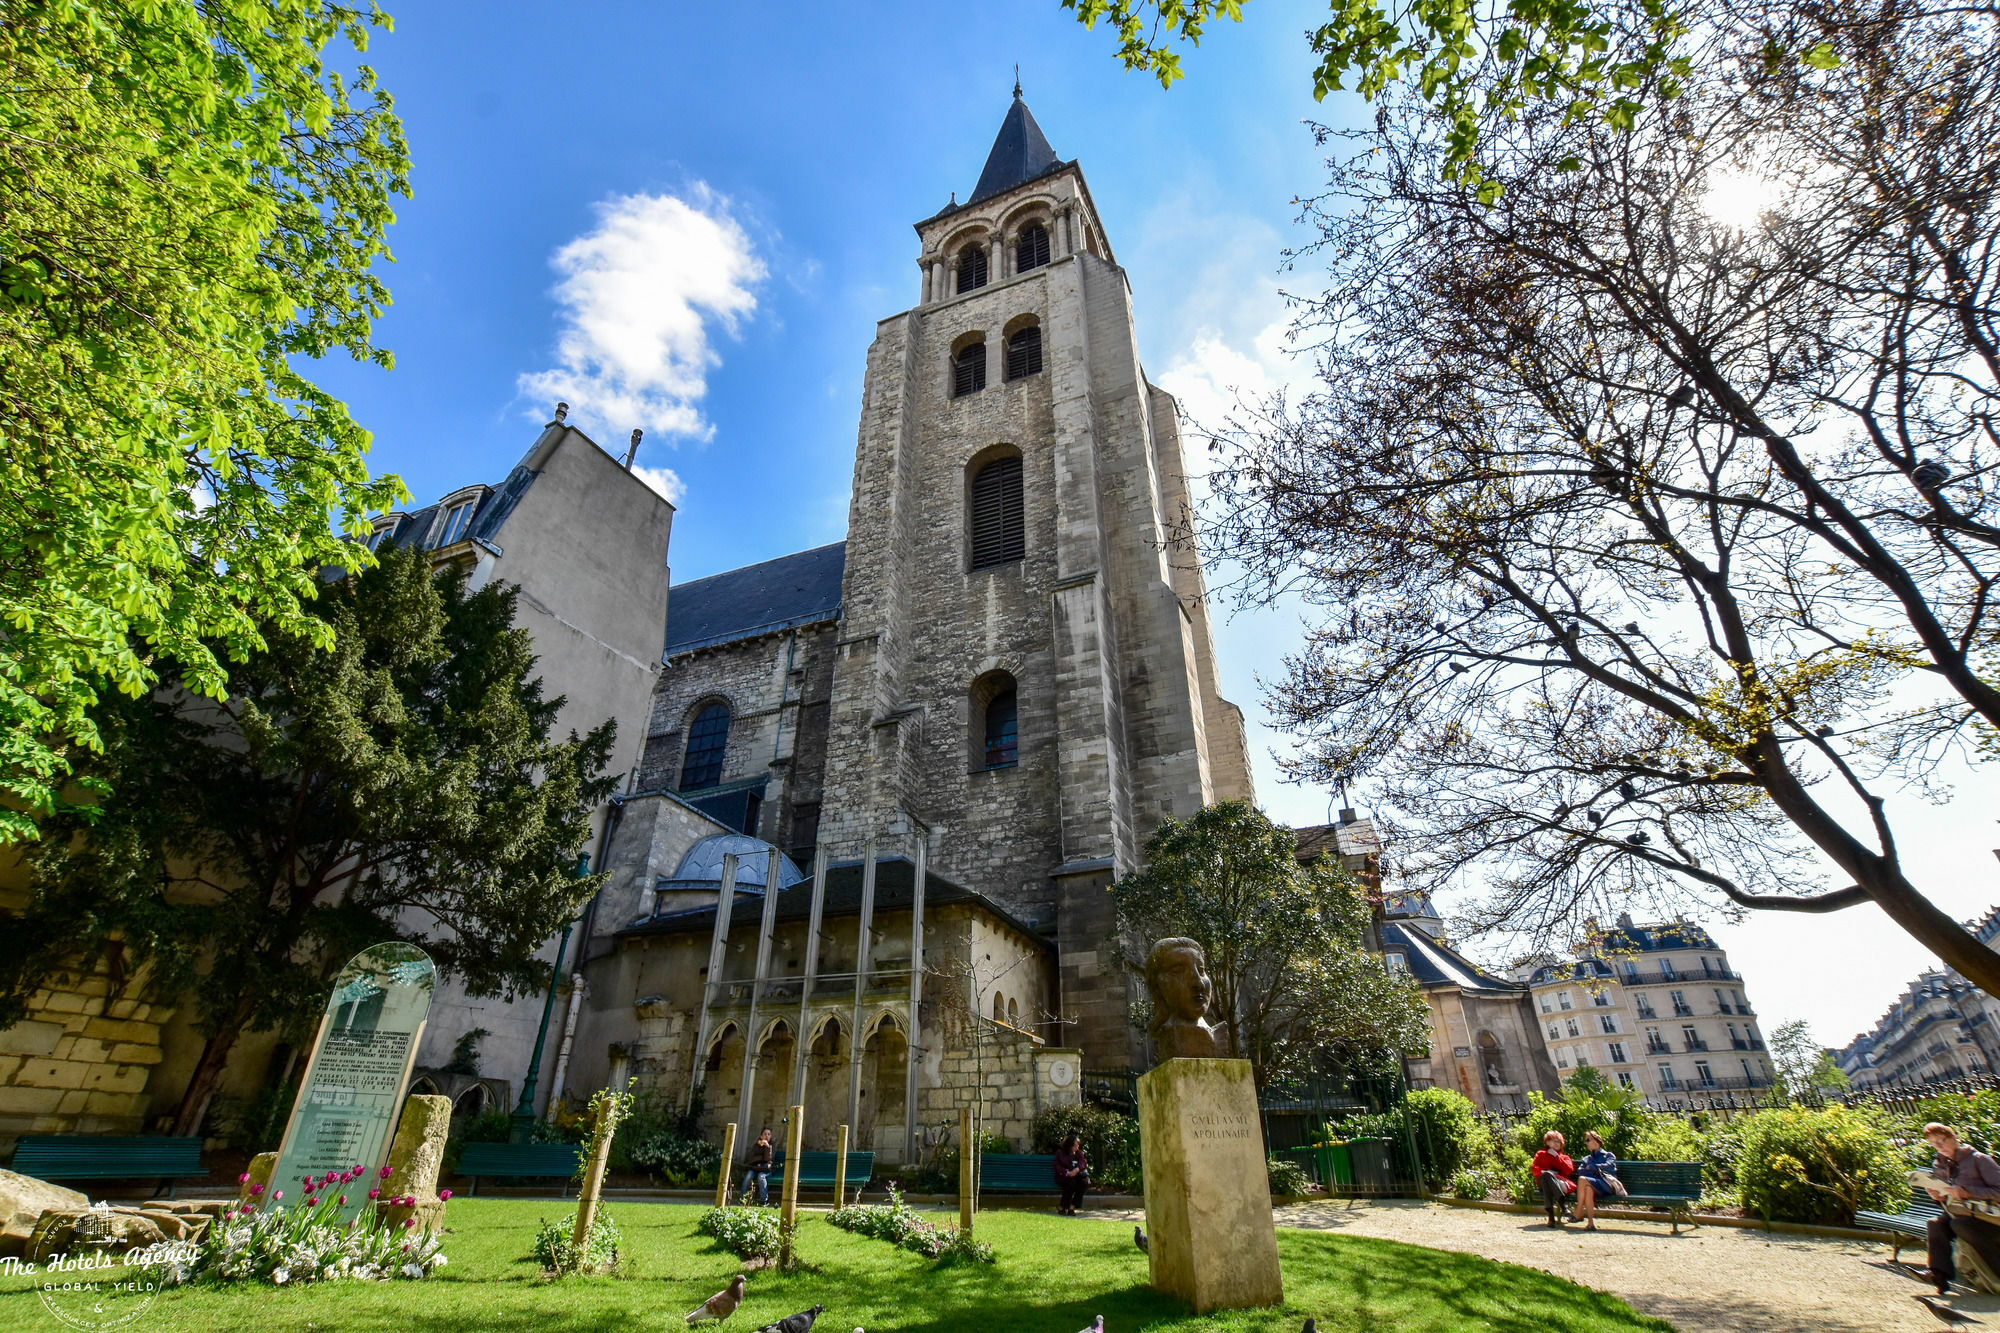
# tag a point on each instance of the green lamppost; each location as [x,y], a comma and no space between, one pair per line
[521,1125]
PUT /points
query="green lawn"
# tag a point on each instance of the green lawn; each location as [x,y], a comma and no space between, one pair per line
[1054,1274]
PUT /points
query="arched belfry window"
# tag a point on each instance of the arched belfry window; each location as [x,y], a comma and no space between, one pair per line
[1024,352]
[1003,729]
[968,369]
[1031,247]
[972,267]
[998,518]
[708,738]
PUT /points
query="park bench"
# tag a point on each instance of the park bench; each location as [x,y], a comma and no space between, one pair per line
[517,1161]
[816,1169]
[1017,1173]
[1670,1185]
[95,1157]
[1909,1225]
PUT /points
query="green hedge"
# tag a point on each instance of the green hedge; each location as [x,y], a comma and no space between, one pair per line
[1110,1141]
[1817,1166]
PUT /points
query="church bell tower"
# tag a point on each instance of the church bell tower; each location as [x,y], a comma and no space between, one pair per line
[1025,672]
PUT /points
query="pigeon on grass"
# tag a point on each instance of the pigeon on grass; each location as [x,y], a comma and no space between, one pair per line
[719,1306]
[1095,1326]
[794,1323]
[1310,1327]
[1139,1239]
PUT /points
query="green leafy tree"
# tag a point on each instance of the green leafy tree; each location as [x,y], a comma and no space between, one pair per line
[399,783]
[191,203]
[1805,1070]
[1469,65]
[1285,944]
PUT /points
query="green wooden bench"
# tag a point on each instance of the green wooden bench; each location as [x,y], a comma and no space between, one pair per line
[1670,1185]
[816,1169]
[93,1157]
[1017,1173]
[519,1161]
[1912,1224]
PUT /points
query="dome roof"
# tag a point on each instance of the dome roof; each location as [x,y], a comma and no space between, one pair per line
[703,862]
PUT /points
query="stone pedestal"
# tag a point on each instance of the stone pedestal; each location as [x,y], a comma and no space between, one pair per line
[1211,1237]
[414,1159]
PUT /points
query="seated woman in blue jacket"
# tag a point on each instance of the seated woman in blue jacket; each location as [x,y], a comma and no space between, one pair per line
[1596,1173]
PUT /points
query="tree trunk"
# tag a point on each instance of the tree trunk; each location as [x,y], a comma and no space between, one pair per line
[208,1070]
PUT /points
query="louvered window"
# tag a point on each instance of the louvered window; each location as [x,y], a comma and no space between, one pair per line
[1024,353]
[999,528]
[971,268]
[968,370]
[1003,720]
[1031,248]
[707,739]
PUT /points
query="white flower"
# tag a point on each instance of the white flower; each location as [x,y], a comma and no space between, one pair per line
[280,1275]
[413,1270]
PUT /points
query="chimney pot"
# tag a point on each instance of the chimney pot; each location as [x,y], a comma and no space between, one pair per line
[633,452]
[562,413]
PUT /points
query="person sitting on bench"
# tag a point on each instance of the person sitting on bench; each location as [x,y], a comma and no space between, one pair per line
[1555,1175]
[1964,1174]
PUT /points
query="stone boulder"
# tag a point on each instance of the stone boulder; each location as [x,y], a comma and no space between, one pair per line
[414,1160]
[61,1230]
[23,1200]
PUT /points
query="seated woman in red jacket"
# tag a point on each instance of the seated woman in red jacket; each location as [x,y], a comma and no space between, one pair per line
[1555,1176]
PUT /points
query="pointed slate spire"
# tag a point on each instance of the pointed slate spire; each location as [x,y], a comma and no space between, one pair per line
[1020,153]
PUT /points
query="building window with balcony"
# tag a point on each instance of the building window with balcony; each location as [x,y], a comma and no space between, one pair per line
[1667,1079]
[1749,1078]
[1607,1023]
[1681,1006]
[1562,999]
[1644,1004]
[1602,999]
[1545,1005]
[1741,1007]
[1688,1036]
[1625,1080]
[1667,968]
[1617,1049]
[1721,1005]
[1562,1057]
[1555,1033]
[1574,1031]
[1704,1073]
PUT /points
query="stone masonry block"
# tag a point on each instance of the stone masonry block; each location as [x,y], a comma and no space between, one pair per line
[113,1029]
[51,1074]
[31,1037]
[131,1053]
[17,1100]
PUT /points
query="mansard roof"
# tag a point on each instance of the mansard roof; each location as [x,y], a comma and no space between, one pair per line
[1020,153]
[1436,965]
[746,603]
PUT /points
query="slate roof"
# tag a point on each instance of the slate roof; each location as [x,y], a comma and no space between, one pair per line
[1437,965]
[894,878]
[1590,969]
[1020,153]
[767,598]
[1629,938]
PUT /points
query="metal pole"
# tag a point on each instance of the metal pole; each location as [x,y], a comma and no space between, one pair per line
[860,982]
[812,975]
[521,1124]
[912,1051]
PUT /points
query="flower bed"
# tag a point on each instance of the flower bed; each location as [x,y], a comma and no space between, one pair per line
[309,1242]
[900,1224]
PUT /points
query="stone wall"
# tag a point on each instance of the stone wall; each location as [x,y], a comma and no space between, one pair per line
[1014,1077]
[80,1062]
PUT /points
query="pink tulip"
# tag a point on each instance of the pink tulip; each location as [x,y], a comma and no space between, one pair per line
[357,1170]
[311,1202]
[444,1194]
[255,1190]
[385,1173]
[409,1222]
[243,1179]
[343,1201]
[374,1194]
[279,1195]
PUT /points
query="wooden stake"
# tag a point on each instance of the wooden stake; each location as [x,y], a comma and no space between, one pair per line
[968,1162]
[840,1171]
[593,1175]
[788,1207]
[728,1159]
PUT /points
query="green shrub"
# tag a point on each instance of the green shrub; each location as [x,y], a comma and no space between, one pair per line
[1471,1183]
[1976,1117]
[1721,1151]
[1668,1139]
[680,1162]
[1586,1102]
[1110,1141]
[555,1250]
[1287,1179]
[900,1224]
[1515,1174]
[749,1233]
[1817,1166]
[1448,1134]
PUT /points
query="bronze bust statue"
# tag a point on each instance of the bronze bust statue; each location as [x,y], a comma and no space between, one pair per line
[1177,980]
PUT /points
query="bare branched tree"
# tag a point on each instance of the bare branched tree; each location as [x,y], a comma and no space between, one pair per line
[1653,547]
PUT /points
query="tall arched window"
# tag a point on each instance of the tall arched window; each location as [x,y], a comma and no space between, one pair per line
[708,737]
[1003,725]
[999,1008]
[968,369]
[999,522]
[972,267]
[1031,247]
[1024,352]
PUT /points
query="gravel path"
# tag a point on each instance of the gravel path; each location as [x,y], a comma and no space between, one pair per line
[1709,1280]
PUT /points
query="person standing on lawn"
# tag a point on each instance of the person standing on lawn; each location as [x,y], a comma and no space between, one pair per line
[1554,1175]
[1963,1174]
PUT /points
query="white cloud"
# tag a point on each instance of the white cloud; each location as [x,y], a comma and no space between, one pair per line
[665,482]
[639,295]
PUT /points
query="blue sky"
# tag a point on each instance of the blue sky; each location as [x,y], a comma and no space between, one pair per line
[689,218]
